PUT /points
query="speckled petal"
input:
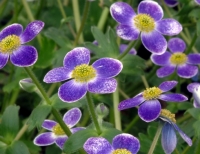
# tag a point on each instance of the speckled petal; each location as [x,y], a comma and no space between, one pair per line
[77,56]
[151,8]
[173,97]
[45,139]
[127,32]
[122,12]
[3,59]
[133,102]
[72,117]
[60,141]
[197,2]
[48,124]
[149,110]
[123,47]
[167,85]
[97,145]
[193,59]
[165,71]
[171,3]
[187,71]
[14,29]
[24,56]
[176,45]
[191,87]
[31,31]
[154,42]
[126,141]
[161,60]
[74,130]
[169,27]
[72,91]
[57,75]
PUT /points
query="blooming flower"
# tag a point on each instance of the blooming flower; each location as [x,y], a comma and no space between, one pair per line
[97,78]
[57,135]
[194,88]
[197,2]
[122,143]
[176,59]
[12,40]
[148,21]
[171,3]
[168,137]
[149,106]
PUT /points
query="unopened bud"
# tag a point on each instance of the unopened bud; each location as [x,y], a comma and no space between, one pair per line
[102,111]
[27,85]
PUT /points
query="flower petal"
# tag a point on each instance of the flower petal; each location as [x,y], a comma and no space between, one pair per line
[176,45]
[31,31]
[123,47]
[165,71]
[171,3]
[194,58]
[196,104]
[196,95]
[14,29]
[151,8]
[57,75]
[173,97]
[187,71]
[102,86]
[161,60]
[169,27]
[48,124]
[192,86]
[45,139]
[3,59]
[154,42]
[60,141]
[149,110]
[24,56]
[133,102]
[126,141]
[74,130]
[72,91]
[167,85]
[97,145]
[197,2]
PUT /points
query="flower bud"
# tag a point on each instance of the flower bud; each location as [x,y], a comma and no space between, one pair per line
[101,110]
[27,85]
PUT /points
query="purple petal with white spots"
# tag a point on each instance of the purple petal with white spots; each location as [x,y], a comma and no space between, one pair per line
[123,47]
[48,124]
[176,45]
[192,86]
[72,91]
[197,2]
[151,8]
[126,141]
[45,139]
[173,97]
[60,141]
[165,71]
[74,130]
[193,59]
[171,3]
[187,71]
[149,110]
[154,42]
[167,85]
[161,60]
[24,56]
[14,29]
[3,59]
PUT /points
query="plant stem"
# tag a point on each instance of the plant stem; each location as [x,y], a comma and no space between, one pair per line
[187,148]
[192,43]
[21,132]
[103,18]
[14,96]
[116,111]
[183,118]
[144,80]
[178,87]
[130,125]
[4,141]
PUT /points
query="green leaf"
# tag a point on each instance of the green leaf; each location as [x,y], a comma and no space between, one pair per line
[195,13]
[198,27]
[17,147]
[196,127]
[195,112]
[184,106]
[110,133]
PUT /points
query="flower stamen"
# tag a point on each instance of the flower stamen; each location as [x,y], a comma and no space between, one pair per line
[178,58]
[121,151]
[57,130]
[167,114]
[152,93]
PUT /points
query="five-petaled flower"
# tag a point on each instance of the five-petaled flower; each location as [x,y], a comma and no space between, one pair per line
[149,106]
[176,59]
[12,40]
[122,143]
[57,135]
[194,88]
[148,21]
[97,78]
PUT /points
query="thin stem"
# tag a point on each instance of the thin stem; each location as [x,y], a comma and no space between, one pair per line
[117,115]
[183,118]
[14,96]
[21,132]
[167,9]
[4,141]
[123,93]
[103,18]
[192,43]
[178,87]
[188,147]
[51,89]
[144,80]
[131,124]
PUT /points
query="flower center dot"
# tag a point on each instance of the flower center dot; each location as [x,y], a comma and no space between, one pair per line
[152,93]
[178,58]
[121,151]
[167,114]
[144,22]
[83,73]
[57,130]
[9,43]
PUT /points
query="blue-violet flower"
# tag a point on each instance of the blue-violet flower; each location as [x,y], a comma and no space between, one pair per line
[194,88]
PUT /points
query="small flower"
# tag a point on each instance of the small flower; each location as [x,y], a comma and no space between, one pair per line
[149,106]
[197,2]
[12,40]
[169,61]
[121,144]
[194,88]
[148,21]
[57,135]
[168,137]
[97,78]
[171,3]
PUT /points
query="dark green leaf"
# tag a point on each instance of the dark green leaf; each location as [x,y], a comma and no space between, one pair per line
[198,27]
[195,112]
[17,147]
[110,133]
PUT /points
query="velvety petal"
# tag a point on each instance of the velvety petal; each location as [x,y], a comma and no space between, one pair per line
[126,141]
[151,8]
[169,27]
[168,138]
[127,32]
[161,60]
[74,130]
[197,2]
[60,141]
[107,67]
[149,110]
[173,97]
[167,85]
[122,12]
[3,59]
[176,45]
[45,139]
[14,29]
[72,117]
[24,56]
[133,102]
[192,86]
[72,91]
[187,71]
[57,75]
[123,47]
[97,145]
[193,59]
[171,3]
[48,124]
[154,42]
[102,86]
[165,71]
[77,56]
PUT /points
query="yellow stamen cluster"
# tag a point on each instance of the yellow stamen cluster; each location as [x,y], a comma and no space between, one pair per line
[167,114]
[9,43]
[121,151]
[83,73]
[144,22]
[178,58]
[152,93]
[57,130]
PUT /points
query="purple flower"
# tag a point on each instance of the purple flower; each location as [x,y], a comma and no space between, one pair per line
[194,88]
[12,40]
[169,61]
[197,2]
[148,21]
[97,78]
[168,137]
[122,143]
[57,135]
[171,3]
[149,106]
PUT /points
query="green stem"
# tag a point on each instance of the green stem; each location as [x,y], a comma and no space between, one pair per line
[188,147]
[131,124]
[123,94]
[21,132]
[103,18]
[144,80]
[14,96]
[192,43]
[167,9]
[178,87]
[4,141]
[116,111]
[183,118]
[197,150]
[3,4]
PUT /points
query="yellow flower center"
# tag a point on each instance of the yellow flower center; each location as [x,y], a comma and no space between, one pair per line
[57,130]
[9,43]
[144,22]
[121,151]
[152,93]
[83,73]
[167,114]
[178,58]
